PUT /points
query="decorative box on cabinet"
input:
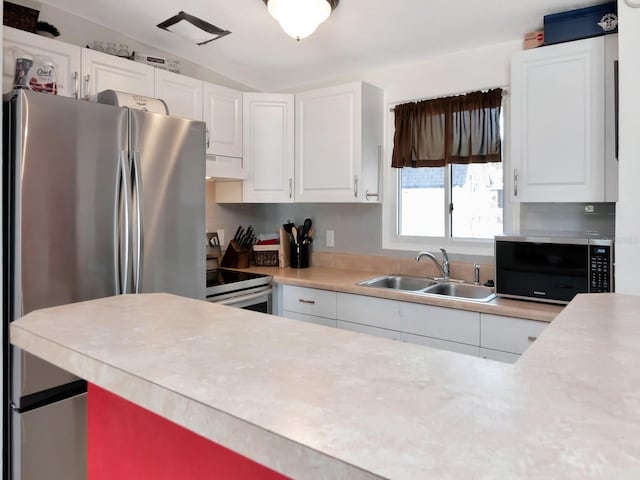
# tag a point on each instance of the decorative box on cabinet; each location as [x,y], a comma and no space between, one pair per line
[562,122]
[338,143]
[66,58]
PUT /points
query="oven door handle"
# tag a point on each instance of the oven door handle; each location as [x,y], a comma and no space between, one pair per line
[244,298]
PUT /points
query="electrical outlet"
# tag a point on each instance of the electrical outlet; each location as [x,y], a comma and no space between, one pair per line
[221,237]
[330,238]
[589,209]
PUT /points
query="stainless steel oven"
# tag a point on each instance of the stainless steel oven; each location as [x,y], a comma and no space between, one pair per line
[251,291]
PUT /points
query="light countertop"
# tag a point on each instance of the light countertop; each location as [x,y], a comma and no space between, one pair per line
[347,281]
[322,403]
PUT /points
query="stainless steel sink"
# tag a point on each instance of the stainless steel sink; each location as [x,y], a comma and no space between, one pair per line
[422,286]
[479,293]
[399,282]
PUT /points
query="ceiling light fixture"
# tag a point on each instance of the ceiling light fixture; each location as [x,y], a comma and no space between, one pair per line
[300,18]
[193,28]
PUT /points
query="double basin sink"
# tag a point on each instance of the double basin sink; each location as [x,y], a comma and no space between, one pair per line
[427,286]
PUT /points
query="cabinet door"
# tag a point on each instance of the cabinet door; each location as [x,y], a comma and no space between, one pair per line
[338,143]
[268,147]
[443,323]
[101,71]
[183,95]
[369,311]
[463,348]
[375,331]
[223,115]
[499,356]
[506,334]
[65,57]
[327,146]
[558,123]
[327,322]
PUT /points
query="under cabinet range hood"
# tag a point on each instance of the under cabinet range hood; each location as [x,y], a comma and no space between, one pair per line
[219,167]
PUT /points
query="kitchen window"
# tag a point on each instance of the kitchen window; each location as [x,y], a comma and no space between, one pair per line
[448,166]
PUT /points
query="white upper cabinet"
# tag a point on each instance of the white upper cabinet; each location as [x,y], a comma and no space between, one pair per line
[559,152]
[183,95]
[65,57]
[338,143]
[268,147]
[223,115]
[101,71]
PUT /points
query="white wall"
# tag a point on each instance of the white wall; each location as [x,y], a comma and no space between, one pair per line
[81,32]
[628,207]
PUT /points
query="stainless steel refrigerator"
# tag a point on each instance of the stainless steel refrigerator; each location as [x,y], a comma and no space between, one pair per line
[97,201]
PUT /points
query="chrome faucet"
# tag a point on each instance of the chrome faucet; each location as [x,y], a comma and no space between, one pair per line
[444,268]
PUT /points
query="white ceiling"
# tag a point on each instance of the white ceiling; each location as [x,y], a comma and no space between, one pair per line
[359,35]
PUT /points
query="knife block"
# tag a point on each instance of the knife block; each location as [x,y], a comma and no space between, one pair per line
[236,256]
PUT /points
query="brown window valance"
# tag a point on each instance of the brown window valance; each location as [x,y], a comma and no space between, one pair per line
[460,129]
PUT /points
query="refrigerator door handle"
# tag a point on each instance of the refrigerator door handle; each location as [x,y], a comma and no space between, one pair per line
[137,187]
[121,221]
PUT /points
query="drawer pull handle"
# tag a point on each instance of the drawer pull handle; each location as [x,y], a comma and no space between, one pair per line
[311,302]
[532,339]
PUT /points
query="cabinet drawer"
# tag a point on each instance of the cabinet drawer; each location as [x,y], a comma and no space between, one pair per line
[309,301]
[498,355]
[375,312]
[327,322]
[443,323]
[508,334]
[442,344]
[378,332]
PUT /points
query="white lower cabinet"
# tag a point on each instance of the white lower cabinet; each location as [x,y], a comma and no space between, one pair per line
[443,323]
[327,322]
[507,334]
[309,304]
[369,330]
[463,348]
[483,335]
[375,316]
[499,356]
[370,311]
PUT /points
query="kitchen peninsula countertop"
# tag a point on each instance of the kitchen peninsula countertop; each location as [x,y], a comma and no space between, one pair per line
[321,403]
[347,281]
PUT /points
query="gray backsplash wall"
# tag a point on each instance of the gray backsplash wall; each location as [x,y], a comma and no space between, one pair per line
[556,218]
[228,217]
[358,228]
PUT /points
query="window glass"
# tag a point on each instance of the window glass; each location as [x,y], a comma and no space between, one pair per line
[476,192]
[422,201]
[476,195]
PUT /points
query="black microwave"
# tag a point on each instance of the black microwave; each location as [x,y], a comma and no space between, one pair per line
[554,270]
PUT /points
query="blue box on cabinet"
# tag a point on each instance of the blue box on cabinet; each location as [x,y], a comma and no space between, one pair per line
[581,23]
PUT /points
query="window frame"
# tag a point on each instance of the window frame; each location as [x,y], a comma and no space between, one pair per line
[392,240]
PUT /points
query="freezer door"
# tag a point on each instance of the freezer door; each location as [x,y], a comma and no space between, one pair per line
[65,241]
[168,161]
[50,443]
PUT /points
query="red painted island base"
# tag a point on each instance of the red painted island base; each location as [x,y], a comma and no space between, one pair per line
[127,442]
